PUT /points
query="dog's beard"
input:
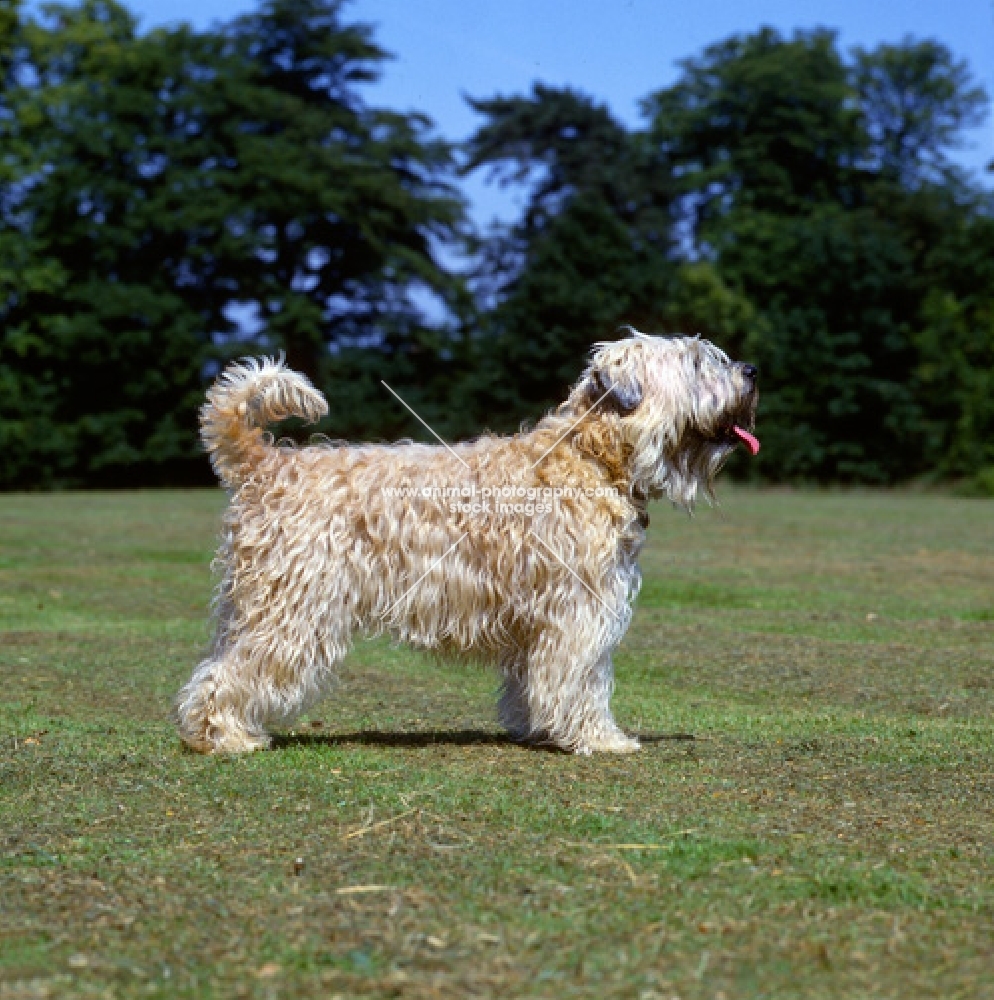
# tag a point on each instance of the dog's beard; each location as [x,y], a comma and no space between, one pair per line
[683,472]
[691,471]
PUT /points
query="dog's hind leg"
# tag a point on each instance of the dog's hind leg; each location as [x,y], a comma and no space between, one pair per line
[214,709]
[261,677]
[513,709]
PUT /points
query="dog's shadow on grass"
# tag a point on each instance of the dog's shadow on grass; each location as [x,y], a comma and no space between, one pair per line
[379,738]
[454,738]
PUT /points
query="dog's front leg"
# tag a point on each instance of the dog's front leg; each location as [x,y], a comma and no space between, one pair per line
[598,730]
[557,695]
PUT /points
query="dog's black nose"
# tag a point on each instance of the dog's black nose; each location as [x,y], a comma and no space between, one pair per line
[750,371]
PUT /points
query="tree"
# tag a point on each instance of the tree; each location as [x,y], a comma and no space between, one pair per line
[590,253]
[339,204]
[758,122]
[170,199]
[803,177]
[164,191]
[916,100]
[101,349]
[954,335]
[794,204]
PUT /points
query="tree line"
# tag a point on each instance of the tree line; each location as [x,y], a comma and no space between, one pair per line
[175,198]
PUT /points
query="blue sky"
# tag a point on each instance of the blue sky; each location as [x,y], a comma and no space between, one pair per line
[617,50]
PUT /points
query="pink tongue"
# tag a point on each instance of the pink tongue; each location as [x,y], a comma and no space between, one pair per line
[747,439]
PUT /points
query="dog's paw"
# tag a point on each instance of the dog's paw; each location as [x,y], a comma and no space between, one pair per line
[623,744]
[238,741]
[616,742]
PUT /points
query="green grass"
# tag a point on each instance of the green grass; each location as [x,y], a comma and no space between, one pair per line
[828,831]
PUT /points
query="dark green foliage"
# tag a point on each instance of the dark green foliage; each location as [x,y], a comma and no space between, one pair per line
[156,188]
[915,100]
[336,204]
[821,191]
[582,279]
[761,123]
[954,342]
[795,206]
[592,251]
[100,349]
[173,199]
[833,343]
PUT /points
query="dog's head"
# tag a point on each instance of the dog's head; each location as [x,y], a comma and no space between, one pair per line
[681,407]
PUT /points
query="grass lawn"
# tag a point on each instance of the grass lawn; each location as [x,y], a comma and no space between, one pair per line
[828,830]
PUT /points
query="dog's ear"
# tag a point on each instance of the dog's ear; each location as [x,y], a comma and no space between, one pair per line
[618,388]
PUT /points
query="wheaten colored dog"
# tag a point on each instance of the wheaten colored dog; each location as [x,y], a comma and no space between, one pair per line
[518,551]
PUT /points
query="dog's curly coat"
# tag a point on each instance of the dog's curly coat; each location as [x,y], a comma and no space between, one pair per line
[314,549]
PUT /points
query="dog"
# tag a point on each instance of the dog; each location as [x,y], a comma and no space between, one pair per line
[520,551]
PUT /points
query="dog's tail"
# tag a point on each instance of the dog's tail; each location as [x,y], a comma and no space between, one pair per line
[240,404]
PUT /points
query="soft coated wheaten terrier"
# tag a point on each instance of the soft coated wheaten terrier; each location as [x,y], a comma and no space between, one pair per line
[518,551]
